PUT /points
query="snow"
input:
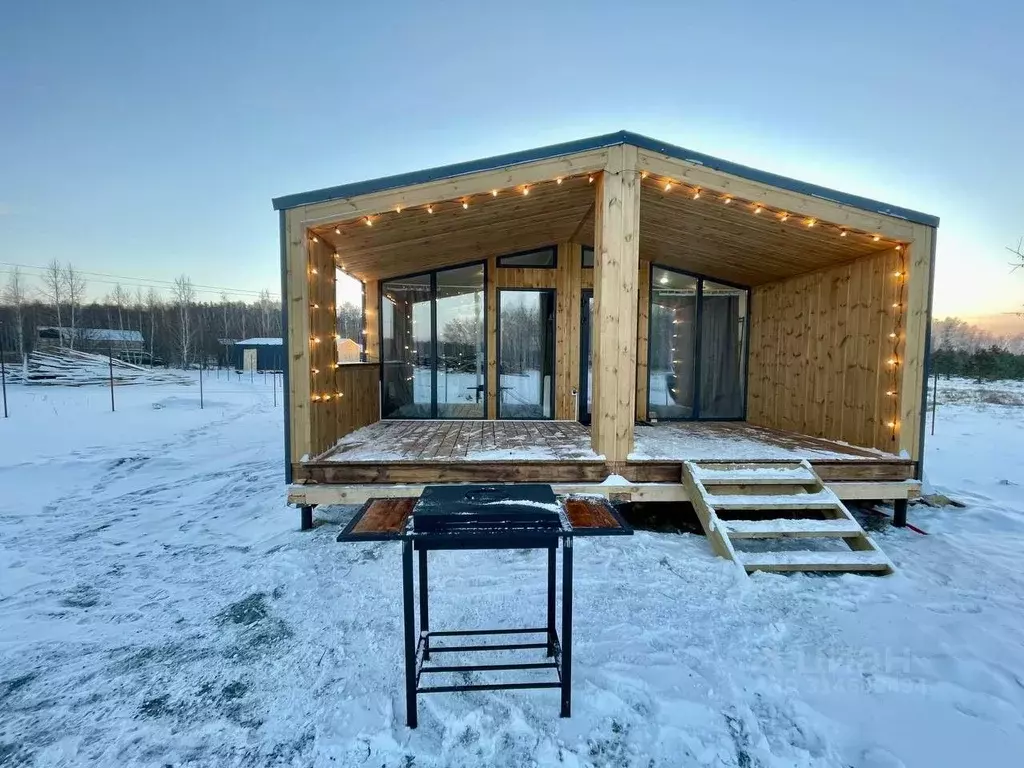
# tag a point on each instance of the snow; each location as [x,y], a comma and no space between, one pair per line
[741,474]
[159,606]
[260,342]
[785,526]
[765,500]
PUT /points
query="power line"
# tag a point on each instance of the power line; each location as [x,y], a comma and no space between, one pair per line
[145,282]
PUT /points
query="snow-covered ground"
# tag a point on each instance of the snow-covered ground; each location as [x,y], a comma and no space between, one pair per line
[158,606]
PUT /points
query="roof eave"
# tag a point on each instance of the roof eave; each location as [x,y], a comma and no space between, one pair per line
[597,142]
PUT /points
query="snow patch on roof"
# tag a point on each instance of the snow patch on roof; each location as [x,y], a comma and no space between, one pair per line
[261,341]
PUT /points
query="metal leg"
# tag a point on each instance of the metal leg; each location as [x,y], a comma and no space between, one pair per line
[899,513]
[306,519]
[410,635]
[424,598]
[551,601]
[566,627]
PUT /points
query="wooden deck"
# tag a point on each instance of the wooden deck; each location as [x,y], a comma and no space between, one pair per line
[426,451]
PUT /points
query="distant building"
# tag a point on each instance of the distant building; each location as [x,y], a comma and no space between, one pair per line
[349,351]
[259,354]
[91,339]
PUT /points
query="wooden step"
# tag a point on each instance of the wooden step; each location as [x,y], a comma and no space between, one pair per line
[780,529]
[755,475]
[809,560]
[823,499]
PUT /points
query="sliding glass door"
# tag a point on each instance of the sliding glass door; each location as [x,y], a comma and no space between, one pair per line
[433,348]
[697,353]
[526,354]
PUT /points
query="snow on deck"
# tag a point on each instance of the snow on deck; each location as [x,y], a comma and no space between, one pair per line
[738,441]
[159,606]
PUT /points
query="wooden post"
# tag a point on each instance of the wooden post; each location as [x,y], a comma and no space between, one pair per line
[616,265]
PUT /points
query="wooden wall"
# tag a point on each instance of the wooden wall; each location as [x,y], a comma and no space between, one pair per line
[819,350]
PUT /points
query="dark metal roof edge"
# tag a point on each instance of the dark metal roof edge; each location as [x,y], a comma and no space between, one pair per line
[596,142]
[781,182]
[447,171]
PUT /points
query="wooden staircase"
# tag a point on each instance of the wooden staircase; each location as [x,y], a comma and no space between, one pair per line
[740,490]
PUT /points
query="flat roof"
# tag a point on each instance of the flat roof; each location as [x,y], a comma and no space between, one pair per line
[400,180]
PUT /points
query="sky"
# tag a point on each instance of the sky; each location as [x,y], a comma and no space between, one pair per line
[145,140]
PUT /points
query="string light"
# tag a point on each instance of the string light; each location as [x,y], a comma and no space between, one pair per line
[668,186]
[784,217]
[369,221]
[811,223]
[728,200]
[430,209]
[758,210]
[494,193]
[643,175]
[526,190]
[313,270]
[843,233]
[316,239]
[590,179]
[696,194]
[876,238]
[558,180]
[398,209]
[337,231]
[465,205]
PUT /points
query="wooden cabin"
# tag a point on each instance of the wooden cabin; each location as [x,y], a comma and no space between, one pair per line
[596,314]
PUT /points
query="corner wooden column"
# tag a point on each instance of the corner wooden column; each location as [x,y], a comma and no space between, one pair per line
[917,299]
[491,334]
[616,267]
[567,330]
[299,366]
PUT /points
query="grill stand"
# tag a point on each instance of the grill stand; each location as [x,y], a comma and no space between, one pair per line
[418,651]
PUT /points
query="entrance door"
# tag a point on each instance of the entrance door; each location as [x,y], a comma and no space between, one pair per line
[586,388]
[249,357]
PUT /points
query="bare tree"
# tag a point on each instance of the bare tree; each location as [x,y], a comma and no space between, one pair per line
[120,298]
[53,289]
[153,305]
[15,296]
[266,306]
[1018,254]
[74,289]
[184,295]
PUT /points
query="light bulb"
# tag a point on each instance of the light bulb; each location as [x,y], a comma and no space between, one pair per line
[728,200]
[398,209]
[465,205]
[526,190]
[369,221]
[758,210]
[316,239]
[696,195]
[892,335]
[558,180]
[643,175]
[664,280]
[494,193]
[892,425]
[843,233]
[313,270]
[590,179]
[876,238]
[337,230]
[811,222]
[668,186]
[430,209]
[784,217]
[897,273]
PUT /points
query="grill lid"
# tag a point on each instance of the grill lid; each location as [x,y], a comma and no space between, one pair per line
[482,508]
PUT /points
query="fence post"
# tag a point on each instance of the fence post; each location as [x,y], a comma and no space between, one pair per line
[201,366]
[110,361]
[3,378]
[273,377]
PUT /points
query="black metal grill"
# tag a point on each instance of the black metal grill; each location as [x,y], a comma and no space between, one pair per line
[520,516]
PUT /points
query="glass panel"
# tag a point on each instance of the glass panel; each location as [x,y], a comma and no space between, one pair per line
[461,363]
[526,360]
[348,303]
[590,357]
[672,335]
[588,256]
[723,320]
[405,348]
[544,257]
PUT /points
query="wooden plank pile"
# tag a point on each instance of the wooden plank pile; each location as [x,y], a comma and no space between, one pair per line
[73,368]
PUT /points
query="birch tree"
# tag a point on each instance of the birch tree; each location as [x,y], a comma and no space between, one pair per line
[53,289]
[15,296]
[152,307]
[74,290]
[184,295]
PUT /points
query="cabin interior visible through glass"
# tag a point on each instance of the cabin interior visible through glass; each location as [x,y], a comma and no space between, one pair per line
[434,341]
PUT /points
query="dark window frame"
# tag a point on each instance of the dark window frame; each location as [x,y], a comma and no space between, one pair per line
[554,347]
[381,298]
[583,257]
[553,249]
[698,331]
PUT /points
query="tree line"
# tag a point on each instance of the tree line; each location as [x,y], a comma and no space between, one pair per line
[962,349]
[178,329]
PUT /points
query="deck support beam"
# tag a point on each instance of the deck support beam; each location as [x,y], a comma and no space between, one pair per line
[616,266]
